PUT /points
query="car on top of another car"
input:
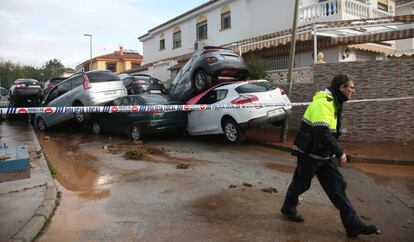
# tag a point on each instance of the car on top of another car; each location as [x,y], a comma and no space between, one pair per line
[203,70]
[235,121]
[82,89]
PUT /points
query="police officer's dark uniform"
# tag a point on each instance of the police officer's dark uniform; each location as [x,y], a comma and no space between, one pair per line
[316,148]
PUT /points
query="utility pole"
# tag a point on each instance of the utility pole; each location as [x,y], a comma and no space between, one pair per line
[285,125]
[90,50]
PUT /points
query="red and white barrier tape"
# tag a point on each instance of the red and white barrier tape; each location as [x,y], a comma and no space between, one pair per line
[164,108]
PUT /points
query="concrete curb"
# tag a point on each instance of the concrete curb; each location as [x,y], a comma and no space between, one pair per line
[351,158]
[42,214]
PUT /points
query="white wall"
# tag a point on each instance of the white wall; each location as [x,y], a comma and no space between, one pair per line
[405,45]
[249,18]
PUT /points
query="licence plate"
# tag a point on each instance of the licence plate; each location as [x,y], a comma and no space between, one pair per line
[110,93]
[231,57]
[34,86]
[275,112]
[154,91]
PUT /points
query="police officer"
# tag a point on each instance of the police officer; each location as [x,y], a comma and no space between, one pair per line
[318,153]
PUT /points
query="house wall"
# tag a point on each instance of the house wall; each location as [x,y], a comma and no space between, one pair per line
[248,19]
[367,121]
[405,44]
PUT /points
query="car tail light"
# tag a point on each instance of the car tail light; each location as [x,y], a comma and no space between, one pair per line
[208,51]
[243,99]
[211,59]
[282,92]
[20,85]
[228,72]
[86,83]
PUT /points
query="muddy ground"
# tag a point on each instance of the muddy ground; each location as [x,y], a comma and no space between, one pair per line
[113,190]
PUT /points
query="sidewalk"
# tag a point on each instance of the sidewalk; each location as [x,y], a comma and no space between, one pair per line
[26,203]
[389,152]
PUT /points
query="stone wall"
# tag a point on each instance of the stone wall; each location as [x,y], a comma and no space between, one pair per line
[367,121]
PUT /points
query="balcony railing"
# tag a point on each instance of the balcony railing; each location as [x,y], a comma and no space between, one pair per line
[333,10]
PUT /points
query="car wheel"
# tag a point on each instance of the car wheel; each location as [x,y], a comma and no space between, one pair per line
[41,125]
[201,81]
[135,132]
[232,131]
[81,118]
[96,128]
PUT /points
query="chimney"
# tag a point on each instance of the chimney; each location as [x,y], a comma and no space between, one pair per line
[121,50]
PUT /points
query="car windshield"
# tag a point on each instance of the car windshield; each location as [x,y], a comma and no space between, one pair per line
[255,87]
[95,77]
[156,99]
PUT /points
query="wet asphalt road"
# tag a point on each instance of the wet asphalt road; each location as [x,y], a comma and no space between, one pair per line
[106,197]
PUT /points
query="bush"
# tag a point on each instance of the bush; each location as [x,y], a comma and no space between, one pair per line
[256,66]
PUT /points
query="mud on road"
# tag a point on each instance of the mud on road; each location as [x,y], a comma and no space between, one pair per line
[113,190]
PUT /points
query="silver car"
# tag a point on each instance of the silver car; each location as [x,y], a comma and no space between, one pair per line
[82,89]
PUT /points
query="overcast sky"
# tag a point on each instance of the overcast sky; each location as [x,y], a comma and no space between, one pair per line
[35,31]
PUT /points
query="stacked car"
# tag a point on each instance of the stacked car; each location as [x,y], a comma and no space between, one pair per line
[25,92]
[213,75]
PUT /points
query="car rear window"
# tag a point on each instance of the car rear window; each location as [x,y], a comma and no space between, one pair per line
[156,99]
[95,77]
[255,87]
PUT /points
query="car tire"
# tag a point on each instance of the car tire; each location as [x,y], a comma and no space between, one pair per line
[41,125]
[96,128]
[135,132]
[201,81]
[232,131]
[81,118]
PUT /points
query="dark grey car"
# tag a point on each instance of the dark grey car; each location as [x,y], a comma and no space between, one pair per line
[204,69]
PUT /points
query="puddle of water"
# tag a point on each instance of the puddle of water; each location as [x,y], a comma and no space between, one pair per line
[74,169]
[385,170]
[75,213]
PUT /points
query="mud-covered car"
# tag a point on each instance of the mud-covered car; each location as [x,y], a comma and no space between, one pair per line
[25,92]
[83,89]
[203,70]
[138,124]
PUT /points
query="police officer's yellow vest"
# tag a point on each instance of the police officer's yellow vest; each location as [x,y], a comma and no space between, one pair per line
[321,112]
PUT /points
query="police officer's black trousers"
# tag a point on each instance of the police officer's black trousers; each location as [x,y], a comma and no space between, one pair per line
[332,182]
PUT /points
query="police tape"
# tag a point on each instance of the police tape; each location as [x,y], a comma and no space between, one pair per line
[167,108]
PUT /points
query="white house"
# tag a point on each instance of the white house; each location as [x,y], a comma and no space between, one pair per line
[243,24]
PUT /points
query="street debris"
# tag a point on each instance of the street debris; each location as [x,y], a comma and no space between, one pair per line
[232,186]
[46,137]
[269,190]
[134,155]
[182,166]
[247,184]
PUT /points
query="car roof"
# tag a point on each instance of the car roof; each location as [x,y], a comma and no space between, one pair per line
[25,80]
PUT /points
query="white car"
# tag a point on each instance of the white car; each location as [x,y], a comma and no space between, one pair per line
[233,122]
[81,89]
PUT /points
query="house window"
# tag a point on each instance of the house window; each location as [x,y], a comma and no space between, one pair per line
[225,18]
[277,62]
[201,28]
[177,37]
[382,7]
[365,56]
[162,41]
[111,67]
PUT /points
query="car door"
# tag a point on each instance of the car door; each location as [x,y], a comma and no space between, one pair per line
[116,122]
[63,100]
[212,118]
[197,118]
